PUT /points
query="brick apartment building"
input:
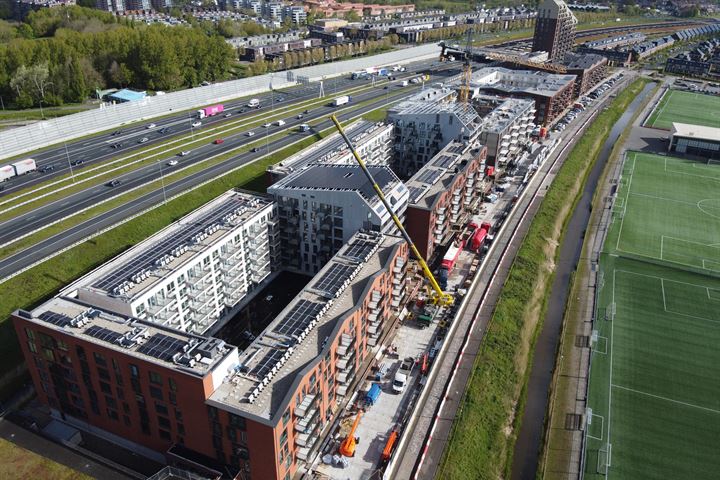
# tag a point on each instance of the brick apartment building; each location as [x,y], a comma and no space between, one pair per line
[554,30]
[195,401]
[442,194]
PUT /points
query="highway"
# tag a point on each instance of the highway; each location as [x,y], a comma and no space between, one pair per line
[33,220]
[98,148]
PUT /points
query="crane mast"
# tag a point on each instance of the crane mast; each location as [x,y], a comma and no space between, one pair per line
[439,296]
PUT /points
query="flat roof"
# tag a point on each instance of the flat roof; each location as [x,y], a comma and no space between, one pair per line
[127,95]
[331,149]
[700,132]
[582,61]
[438,174]
[298,337]
[186,352]
[147,263]
[465,113]
[521,81]
[504,114]
[342,177]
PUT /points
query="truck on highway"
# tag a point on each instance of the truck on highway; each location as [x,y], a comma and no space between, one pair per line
[210,111]
[254,103]
[18,168]
[342,100]
[382,72]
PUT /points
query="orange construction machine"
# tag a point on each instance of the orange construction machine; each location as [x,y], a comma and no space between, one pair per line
[347,447]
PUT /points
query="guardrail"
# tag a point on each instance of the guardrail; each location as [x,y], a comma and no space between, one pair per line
[25,139]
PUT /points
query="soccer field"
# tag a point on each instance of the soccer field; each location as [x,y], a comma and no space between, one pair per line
[686,107]
[654,397]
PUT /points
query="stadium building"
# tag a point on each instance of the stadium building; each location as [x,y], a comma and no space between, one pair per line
[695,140]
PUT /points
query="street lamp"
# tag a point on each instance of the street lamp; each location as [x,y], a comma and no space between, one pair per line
[162,182]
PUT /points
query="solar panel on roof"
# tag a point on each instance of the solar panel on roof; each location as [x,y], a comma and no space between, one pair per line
[333,280]
[416,193]
[55,318]
[162,347]
[271,358]
[103,334]
[146,259]
[298,319]
[430,176]
[359,250]
[445,161]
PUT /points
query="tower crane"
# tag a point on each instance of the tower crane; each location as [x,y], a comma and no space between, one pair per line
[467,69]
[438,296]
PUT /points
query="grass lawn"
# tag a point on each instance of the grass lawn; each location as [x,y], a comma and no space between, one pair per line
[686,107]
[653,386]
[16,462]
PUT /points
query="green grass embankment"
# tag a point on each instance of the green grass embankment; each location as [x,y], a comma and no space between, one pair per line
[483,434]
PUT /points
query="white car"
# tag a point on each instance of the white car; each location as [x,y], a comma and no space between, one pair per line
[228,115]
[266,125]
[399,382]
[172,163]
[299,116]
[250,134]
[196,124]
[280,123]
[184,153]
[152,125]
[143,140]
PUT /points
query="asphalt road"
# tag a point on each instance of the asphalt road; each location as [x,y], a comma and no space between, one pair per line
[37,252]
[96,149]
[41,216]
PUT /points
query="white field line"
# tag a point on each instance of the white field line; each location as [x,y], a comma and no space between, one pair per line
[627,197]
[125,220]
[203,134]
[655,197]
[671,400]
[610,382]
[662,286]
[602,426]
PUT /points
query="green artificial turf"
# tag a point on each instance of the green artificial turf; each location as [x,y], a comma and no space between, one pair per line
[654,394]
[686,107]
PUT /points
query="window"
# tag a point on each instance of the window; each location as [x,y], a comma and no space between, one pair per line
[155,378]
[164,422]
[31,346]
[134,371]
[105,388]
[161,409]
[164,435]
[286,417]
[283,437]
[104,374]
[48,354]
[99,359]
[156,393]
[30,333]
[113,414]
[237,421]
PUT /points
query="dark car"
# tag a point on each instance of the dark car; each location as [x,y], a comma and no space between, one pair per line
[113,183]
[255,149]
[46,168]
[116,132]
[76,162]
[116,145]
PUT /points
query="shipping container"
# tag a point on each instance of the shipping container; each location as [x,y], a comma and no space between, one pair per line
[24,166]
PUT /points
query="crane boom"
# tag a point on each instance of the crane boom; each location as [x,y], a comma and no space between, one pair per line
[440,296]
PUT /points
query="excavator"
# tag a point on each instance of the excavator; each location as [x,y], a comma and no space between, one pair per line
[347,447]
[437,296]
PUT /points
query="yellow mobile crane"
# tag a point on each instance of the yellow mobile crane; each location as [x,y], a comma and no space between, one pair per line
[439,297]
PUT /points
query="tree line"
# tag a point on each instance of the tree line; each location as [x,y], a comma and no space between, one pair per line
[81,50]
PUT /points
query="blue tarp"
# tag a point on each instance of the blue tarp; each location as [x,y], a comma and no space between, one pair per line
[373,394]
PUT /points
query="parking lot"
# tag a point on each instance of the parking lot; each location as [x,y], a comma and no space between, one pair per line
[586,100]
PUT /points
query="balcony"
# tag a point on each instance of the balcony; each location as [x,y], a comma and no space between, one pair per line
[305,406]
[399,279]
[347,345]
[311,416]
[374,328]
[345,363]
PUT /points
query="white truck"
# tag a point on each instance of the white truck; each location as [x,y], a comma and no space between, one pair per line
[253,103]
[6,172]
[342,100]
[402,375]
[24,166]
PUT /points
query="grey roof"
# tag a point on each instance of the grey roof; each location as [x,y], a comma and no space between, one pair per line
[582,60]
[340,177]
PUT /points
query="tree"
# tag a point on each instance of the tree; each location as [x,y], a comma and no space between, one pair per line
[76,90]
[120,74]
[352,16]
